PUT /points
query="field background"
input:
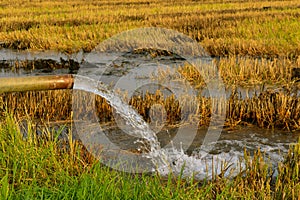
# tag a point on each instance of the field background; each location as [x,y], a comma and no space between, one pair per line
[223,27]
[258,42]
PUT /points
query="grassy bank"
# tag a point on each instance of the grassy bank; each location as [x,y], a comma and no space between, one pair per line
[45,167]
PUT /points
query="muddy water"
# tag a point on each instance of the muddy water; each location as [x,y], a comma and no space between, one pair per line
[135,67]
[24,63]
[274,143]
[230,147]
[109,68]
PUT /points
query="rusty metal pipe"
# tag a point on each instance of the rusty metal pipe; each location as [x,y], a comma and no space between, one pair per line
[32,83]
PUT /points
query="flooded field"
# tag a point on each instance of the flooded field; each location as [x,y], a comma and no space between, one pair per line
[239,133]
[155,121]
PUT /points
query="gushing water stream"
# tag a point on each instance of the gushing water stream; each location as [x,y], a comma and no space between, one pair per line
[164,160]
[140,128]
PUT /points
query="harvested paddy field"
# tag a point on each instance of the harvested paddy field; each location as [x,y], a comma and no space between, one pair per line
[252,28]
[269,109]
[255,48]
[256,41]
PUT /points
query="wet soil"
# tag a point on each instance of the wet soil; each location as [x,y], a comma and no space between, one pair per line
[39,66]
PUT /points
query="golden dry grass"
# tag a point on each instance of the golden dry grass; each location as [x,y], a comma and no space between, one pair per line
[256,28]
[270,109]
[267,32]
[243,71]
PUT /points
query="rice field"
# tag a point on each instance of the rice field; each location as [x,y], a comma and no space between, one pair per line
[252,28]
[255,43]
[270,109]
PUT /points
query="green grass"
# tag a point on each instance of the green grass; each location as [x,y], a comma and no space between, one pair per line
[40,168]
